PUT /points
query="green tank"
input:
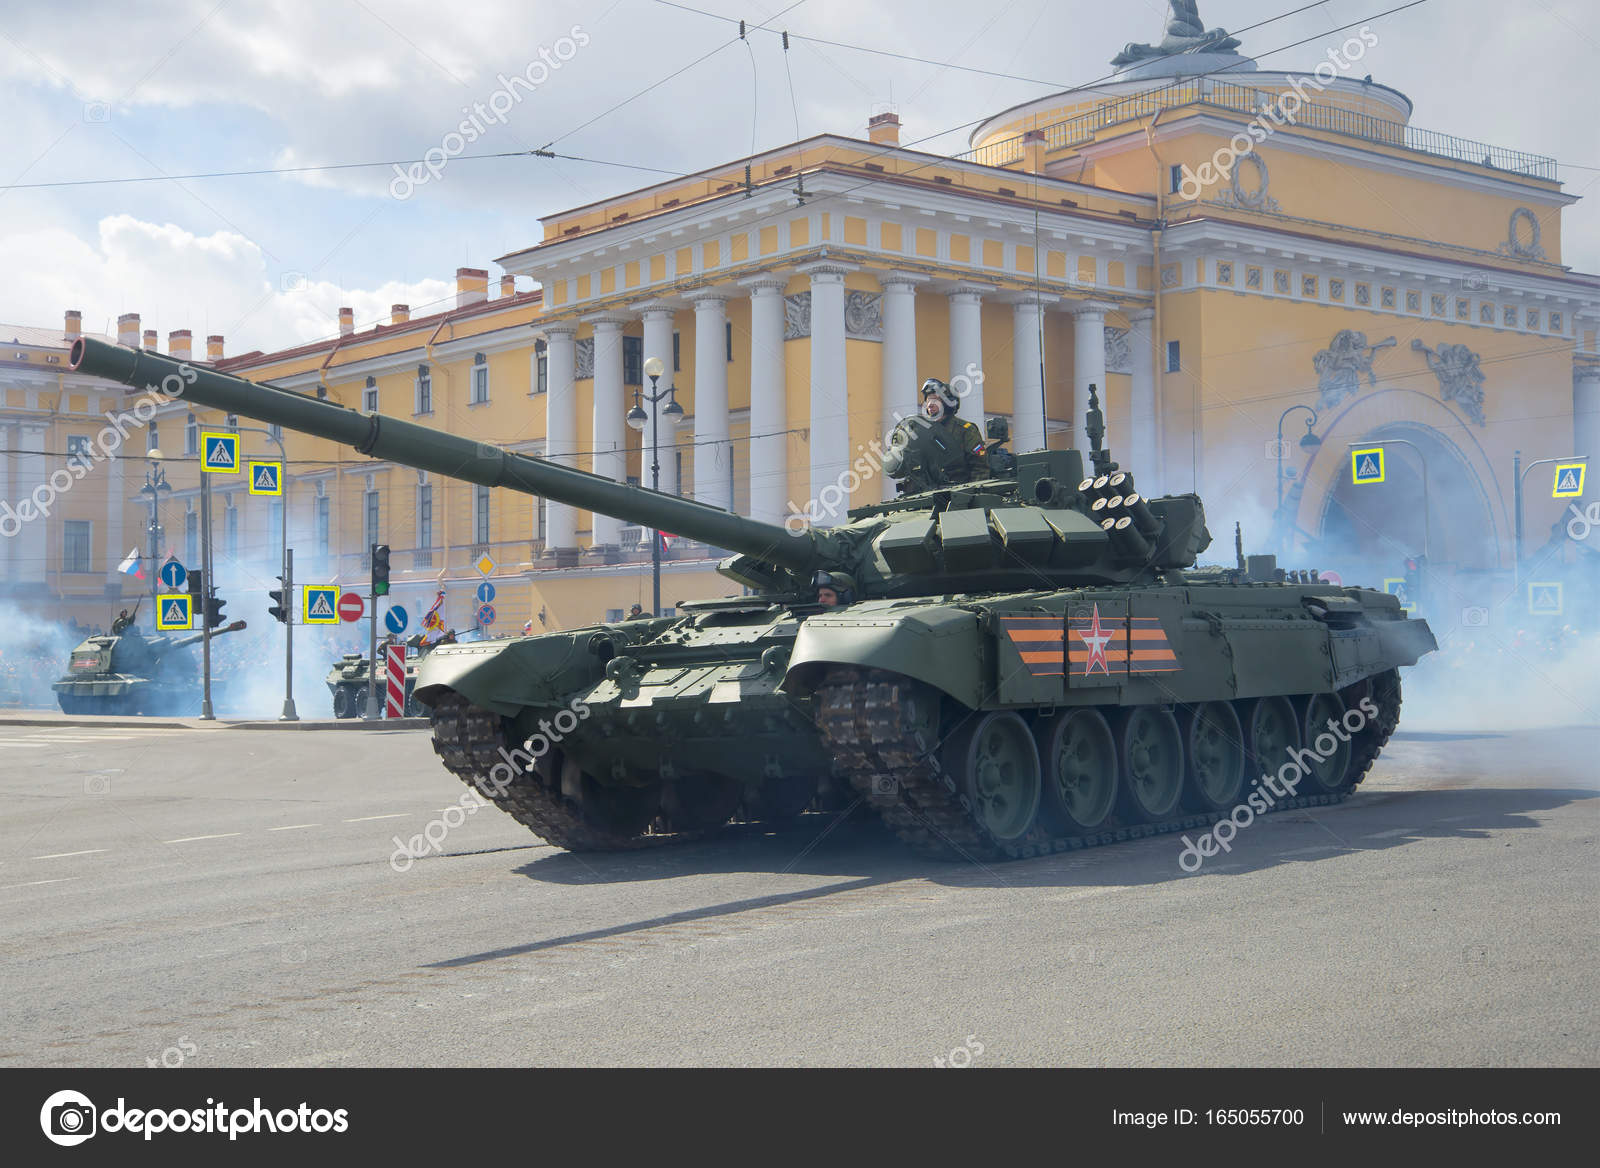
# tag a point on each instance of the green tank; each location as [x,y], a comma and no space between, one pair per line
[128,672]
[347,682]
[1030,661]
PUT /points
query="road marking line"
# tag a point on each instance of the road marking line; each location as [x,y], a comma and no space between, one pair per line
[64,855]
[366,818]
[189,839]
[35,883]
[294,827]
[37,745]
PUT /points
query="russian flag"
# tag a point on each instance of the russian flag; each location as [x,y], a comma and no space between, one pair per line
[130,566]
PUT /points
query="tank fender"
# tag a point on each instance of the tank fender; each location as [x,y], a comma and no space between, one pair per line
[507,676]
[941,645]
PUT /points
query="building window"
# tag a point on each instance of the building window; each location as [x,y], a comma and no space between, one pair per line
[677,469]
[424,390]
[480,514]
[233,421]
[275,430]
[371,529]
[191,537]
[425,526]
[1175,177]
[677,352]
[541,367]
[191,437]
[75,538]
[77,446]
[323,528]
[727,338]
[152,439]
[369,396]
[1174,364]
[231,531]
[480,378]
[613,616]
[632,360]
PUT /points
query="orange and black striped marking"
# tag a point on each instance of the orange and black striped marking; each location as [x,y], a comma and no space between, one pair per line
[1038,642]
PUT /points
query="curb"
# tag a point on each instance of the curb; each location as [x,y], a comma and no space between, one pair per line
[115,722]
[336,724]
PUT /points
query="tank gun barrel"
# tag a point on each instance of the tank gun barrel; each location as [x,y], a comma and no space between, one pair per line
[409,444]
[195,638]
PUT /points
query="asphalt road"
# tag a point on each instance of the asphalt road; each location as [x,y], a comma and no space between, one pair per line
[225,897]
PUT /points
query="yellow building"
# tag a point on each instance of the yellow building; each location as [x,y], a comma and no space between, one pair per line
[1210,244]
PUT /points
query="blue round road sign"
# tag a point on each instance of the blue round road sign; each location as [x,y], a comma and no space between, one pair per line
[173,575]
[485,592]
[395,619]
[485,615]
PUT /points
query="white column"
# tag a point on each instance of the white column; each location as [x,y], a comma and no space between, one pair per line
[610,457]
[713,454]
[900,380]
[658,320]
[1027,380]
[9,522]
[830,396]
[769,445]
[1143,458]
[966,348]
[30,545]
[1088,364]
[560,427]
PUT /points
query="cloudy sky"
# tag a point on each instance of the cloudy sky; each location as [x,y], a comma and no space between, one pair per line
[179,87]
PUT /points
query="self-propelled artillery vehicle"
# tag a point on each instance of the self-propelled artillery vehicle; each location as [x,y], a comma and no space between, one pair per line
[1031,662]
[128,672]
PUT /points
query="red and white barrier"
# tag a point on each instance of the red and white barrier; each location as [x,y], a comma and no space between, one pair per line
[394,705]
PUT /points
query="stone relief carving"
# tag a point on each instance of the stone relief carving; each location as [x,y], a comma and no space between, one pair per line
[1460,378]
[1119,358]
[797,316]
[863,316]
[1520,244]
[1251,198]
[585,358]
[1340,366]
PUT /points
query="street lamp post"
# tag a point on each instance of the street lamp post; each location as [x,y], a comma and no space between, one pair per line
[653,368]
[155,481]
[1519,475]
[1308,441]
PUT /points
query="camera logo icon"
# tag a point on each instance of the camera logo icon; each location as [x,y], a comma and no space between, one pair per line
[68,1118]
[96,111]
[1277,448]
[885,785]
[1475,281]
[1475,617]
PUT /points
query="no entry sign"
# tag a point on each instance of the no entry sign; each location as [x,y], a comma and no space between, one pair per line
[351,606]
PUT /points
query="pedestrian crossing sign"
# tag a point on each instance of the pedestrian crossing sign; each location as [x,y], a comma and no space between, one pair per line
[1366,466]
[266,478]
[1544,599]
[219,453]
[1569,481]
[322,604]
[174,611]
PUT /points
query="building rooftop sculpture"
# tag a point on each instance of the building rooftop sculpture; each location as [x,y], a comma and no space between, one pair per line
[1189,47]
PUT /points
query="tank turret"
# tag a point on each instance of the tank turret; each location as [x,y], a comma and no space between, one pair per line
[127,672]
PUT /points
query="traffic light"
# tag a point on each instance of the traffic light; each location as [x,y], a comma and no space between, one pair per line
[380,569]
[1415,567]
[214,615]
[280,602]
[196,589]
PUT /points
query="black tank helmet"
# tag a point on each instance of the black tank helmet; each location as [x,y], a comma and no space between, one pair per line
[947,396]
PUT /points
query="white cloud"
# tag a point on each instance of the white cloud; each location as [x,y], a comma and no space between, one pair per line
[167,274]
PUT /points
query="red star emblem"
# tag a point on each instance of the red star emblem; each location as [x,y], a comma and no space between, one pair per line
[1096,639]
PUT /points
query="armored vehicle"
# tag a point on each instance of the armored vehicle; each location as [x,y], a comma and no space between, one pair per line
[1031,660]
[347,682]
[127,672]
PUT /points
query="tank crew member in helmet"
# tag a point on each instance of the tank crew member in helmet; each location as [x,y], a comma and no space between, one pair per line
[953,448]
[834,589]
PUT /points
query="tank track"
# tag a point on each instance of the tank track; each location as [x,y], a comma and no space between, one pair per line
[468,740]
[869,717]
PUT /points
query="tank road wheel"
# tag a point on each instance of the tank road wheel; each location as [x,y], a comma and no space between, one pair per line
[1271,733]
[1214,741]
[1329,753]
[341,702]
[1080,759]
[1381,693]
[615,810]
[998,765]
[1151,750]
[702,799]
